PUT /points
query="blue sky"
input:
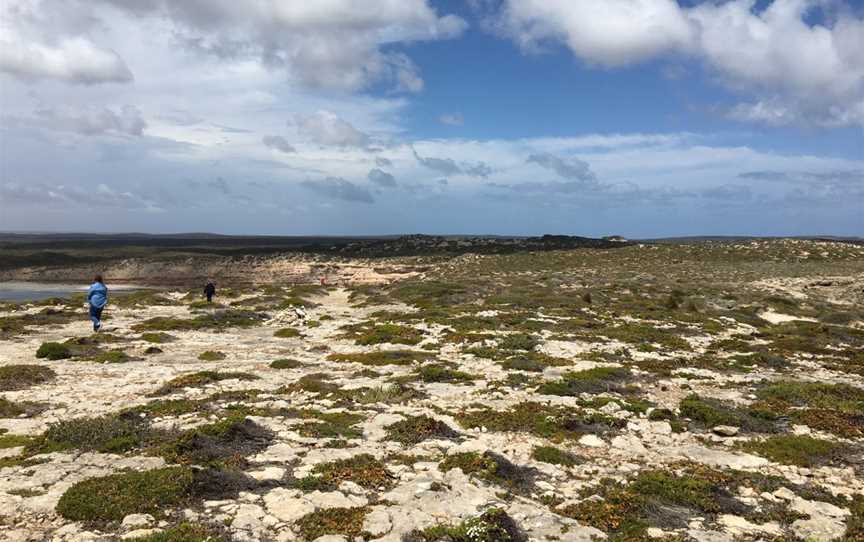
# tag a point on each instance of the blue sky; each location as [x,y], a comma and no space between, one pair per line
[639,117]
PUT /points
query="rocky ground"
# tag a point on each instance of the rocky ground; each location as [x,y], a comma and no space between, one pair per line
[708,392]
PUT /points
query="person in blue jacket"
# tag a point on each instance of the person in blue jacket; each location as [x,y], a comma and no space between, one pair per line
[97,296]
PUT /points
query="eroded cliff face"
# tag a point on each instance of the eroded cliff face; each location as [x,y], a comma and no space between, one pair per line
[249,269]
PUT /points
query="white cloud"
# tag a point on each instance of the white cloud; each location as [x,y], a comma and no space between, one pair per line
[606,32]
[90,121]
[279,143]
[326,128]
[333,43]
[75,60]
[799,72]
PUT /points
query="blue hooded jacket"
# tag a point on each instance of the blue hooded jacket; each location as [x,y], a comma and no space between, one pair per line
[97,295]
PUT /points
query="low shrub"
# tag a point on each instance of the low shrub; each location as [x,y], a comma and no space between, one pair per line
[416,429]
[285,363]
[19,377]
[53,351]
[111,498]
[211,355]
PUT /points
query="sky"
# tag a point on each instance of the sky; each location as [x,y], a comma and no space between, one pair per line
[642,118]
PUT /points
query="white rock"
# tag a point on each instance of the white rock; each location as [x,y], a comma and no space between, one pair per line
[282,504]
[709,536]
[725,430]
[377,523]
[629,443]
[248,518]
[801,430]
[139,533]
[331,538]
[136,521]
[720,458]
[819,529]
[592,441]
[817,508]
[268,473]
[785,494]
[739,525]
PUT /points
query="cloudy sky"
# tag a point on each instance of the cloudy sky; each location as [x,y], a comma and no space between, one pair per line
[587,117]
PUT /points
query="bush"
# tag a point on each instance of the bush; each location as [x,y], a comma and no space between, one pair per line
[416,429]
[111,498]
[53,351]
[332,521]
[157,337]
[19,377]
[285,363]
[518,341]
[211,355]
[107,434]
[381,358]
[442,373]
[800,450]
[555,456]
[493,525]
[287,333]
[200,379]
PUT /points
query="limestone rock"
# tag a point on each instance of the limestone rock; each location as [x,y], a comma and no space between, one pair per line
[725,430]
[377,523]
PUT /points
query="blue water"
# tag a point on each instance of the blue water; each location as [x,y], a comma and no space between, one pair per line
[34,291]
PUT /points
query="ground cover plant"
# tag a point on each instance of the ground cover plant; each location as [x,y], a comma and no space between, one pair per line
[469,397]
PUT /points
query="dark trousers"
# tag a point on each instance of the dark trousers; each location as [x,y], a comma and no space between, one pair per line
[96,316]
[209,297]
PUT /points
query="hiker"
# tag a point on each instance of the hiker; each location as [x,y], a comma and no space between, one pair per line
[210,291]
[97,296]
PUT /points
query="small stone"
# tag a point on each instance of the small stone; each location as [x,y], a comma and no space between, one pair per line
[725,430]
[592,441]
[784,493]
[139,533]
[136,521]
[153,350]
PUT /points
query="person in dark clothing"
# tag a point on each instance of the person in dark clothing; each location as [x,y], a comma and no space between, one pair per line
[210,291]
[97,296]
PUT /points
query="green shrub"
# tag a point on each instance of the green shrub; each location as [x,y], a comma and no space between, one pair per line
[365,334]
[596,380]
[185,532]
[112,356]
[211,355]
[285,363]
[107,434]
[287,333]
[53,351]
[381,358]
[554,456]
[19,377]
[364,470]
[518,341]
[158,338]
[332,521]
[111,498]
[493,525]
[801,450]
[200,379]
[442,373]
[493,468]
[416,429]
